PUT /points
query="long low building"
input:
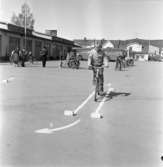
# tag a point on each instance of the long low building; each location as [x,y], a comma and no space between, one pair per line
[12,36]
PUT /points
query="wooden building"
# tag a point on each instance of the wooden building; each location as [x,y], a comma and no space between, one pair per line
[12,36]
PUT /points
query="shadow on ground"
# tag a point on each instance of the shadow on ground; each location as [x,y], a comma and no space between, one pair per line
[111,95]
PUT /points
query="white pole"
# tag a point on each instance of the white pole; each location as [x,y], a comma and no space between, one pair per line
[25,26]
[148,48]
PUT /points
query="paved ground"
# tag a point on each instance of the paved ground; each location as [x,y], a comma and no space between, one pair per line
[129,134]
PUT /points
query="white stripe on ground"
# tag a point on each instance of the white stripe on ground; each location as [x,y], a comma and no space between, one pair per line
[49,131]
[102,102]
[84,102]
[7,80]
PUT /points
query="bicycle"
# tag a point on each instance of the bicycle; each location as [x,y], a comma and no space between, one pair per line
[97,81]
[72,63]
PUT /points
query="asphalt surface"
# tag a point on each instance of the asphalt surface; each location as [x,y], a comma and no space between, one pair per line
[129,135]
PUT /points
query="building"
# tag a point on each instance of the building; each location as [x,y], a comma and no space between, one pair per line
[108,44]
[90,43]
[135,47]
[87,44]
[142,51]
[153,50]
[161,53]
[138,51]
[12,36]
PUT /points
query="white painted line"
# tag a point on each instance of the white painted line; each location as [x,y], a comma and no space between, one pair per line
[100,105]
[5,81]
[49,131]
[84,102]
[72,113]
[96,114]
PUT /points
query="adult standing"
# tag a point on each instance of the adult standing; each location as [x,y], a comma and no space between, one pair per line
[14,58]
[30,56]
[43,54]
[23,56]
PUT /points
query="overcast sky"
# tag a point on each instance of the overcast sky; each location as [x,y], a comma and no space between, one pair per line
[96,19]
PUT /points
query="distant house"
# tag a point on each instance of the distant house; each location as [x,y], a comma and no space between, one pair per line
[134,47]
[153,50]
[141,51]
[12,36]
[108,44]
[161,53]
[141,56]
[88,44]
[85,43]
[137,51]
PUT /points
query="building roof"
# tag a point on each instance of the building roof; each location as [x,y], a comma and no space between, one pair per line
[41,35]
[133,43]
[3,26]
[108,44]
[84,42]
[11,28]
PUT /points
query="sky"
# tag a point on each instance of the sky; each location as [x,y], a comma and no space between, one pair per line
[93,19]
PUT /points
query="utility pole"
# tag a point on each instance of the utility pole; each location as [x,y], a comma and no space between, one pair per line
[25,26]
[148,46]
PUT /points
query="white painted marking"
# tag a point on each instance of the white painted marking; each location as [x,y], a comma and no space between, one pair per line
[5,81]
[71,113]
[49,131]
[102,102]
[96,114]
[84,102]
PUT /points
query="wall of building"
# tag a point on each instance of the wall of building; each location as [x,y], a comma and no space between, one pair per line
[4,43]
[141,57]
[10,41]
[153,50]
[161,53]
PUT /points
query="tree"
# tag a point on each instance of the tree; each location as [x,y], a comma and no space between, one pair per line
[20,19]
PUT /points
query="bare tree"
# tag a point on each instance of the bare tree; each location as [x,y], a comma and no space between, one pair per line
[25,14]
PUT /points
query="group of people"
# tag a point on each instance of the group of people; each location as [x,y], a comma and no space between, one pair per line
[123,60]
[73,59]
[19,57]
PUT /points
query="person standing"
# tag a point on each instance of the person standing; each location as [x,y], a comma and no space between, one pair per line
[43,54]
[30,56]
[23,56]
[14,58]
